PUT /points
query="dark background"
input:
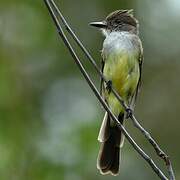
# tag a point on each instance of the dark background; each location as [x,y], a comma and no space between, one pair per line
[49,118]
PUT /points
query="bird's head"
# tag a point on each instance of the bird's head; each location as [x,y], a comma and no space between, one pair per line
[120,20]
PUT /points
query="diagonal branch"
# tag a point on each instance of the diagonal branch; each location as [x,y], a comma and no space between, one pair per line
[160,153]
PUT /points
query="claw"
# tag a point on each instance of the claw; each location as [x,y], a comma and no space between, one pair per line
[129,113]
[109,86]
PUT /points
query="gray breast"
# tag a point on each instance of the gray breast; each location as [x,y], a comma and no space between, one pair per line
[116,42]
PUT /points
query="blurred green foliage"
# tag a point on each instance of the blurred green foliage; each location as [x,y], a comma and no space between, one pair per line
[49,118]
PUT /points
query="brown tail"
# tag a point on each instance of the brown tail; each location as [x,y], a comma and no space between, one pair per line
[111,139]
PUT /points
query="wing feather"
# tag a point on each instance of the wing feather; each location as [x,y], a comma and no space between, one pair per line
[141,59]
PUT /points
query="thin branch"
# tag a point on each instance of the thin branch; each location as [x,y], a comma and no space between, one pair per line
[86,52]
[156,147]
[91,84]
[159,152]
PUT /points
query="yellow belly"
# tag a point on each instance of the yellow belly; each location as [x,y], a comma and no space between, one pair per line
[123,71]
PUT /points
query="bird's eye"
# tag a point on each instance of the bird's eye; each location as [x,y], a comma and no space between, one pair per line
[118,22]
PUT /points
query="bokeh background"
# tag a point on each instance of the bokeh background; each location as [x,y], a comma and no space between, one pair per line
[49,118]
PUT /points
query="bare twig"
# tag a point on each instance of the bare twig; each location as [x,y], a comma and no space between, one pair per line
[160,153]
[158,150]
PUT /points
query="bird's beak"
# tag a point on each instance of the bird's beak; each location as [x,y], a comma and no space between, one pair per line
[101,24]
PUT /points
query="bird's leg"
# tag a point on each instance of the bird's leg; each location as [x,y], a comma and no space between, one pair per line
[129,113]
[109,86]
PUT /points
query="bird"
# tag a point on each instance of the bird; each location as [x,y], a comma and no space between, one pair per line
[122,58]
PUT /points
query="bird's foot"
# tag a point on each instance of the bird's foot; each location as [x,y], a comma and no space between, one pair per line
[109,86]
[129,113]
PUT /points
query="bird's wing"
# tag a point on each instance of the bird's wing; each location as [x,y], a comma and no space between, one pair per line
[141,59]
[101,80]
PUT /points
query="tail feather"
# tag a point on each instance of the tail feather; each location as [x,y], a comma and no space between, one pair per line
[109,154]
[104,132]
[113,168]
[105,154]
